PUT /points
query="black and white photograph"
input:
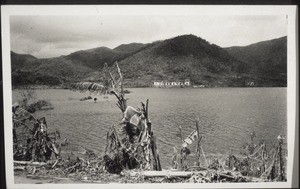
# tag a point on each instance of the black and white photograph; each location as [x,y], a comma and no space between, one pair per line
[145,95]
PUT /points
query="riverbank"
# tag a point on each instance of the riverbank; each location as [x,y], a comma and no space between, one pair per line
[43,87]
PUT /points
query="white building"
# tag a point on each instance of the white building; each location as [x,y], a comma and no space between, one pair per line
[172,83]
[158,83]
[187,82]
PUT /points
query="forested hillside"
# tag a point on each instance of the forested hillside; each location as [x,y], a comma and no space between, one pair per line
[178,58]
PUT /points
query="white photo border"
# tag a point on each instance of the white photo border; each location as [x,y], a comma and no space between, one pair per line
[289,10]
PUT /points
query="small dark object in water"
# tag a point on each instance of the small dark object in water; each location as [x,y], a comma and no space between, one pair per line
[126,91]
[86,98]
[95,99]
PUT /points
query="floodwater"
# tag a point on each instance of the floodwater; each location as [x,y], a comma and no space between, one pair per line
[227,116]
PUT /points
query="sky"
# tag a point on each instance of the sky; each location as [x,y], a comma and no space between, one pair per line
[53,36]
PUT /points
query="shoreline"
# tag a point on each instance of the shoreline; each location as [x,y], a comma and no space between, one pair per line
[43,87]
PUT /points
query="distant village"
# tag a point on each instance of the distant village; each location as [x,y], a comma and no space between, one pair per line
[185,83]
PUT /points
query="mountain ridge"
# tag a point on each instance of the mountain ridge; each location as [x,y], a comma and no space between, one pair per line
[130,47]
[267,58]
[181,57]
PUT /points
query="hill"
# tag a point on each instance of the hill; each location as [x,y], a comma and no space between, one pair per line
[129,48]
[182,57]
[95,58]
[23,61]
[266,59]
[178,58]
[80,65]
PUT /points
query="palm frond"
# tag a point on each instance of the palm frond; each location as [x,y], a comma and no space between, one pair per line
[20,116]
[113,82]
[89,86]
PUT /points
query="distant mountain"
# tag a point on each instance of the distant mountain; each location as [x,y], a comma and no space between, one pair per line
[23,71]
[178,58]
[63,67]
[129,48]
[95,58]
[266,58]
[59,67]
[23,61]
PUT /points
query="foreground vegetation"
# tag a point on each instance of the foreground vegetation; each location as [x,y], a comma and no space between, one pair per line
[41,154]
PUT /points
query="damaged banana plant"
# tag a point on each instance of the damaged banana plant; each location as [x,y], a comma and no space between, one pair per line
[132,147]
[136,148]
[32,142]
[137,143]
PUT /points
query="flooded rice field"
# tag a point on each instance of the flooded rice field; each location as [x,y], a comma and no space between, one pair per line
[227,116]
